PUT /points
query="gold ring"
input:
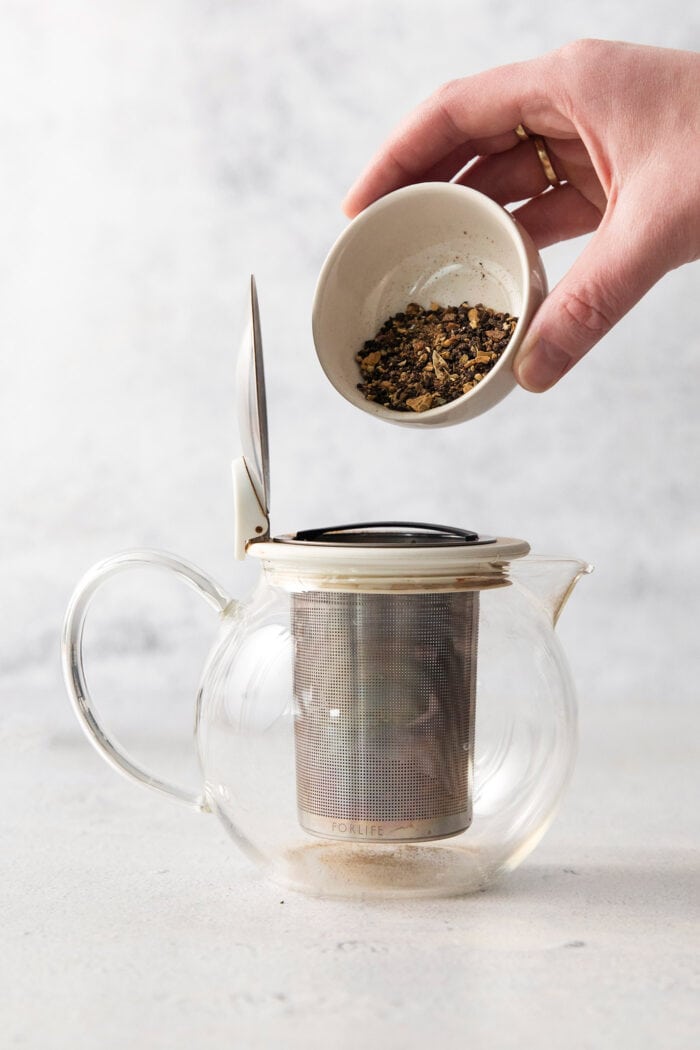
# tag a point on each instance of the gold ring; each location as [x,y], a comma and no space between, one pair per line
[538,143]
[546,163]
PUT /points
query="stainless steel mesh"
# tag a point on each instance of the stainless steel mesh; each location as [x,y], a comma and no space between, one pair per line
[384,722]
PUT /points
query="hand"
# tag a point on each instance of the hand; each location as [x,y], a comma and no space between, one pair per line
[621,125]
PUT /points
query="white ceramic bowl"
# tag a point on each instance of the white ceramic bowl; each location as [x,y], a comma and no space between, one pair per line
[434,241]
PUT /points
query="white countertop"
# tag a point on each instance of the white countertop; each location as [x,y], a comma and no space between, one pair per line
[131,921]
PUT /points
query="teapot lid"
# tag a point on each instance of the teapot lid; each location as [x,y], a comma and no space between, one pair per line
[388,557]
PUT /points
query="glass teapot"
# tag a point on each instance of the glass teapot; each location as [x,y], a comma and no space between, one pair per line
[390,713]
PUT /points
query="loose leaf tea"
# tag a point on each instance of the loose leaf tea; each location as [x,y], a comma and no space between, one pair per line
[420,359]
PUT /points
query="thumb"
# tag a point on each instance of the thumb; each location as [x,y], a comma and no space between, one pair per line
[612,274]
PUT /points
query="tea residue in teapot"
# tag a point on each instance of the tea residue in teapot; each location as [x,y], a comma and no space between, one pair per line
[420,359]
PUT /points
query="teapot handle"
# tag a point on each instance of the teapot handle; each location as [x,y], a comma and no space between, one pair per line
[72,656]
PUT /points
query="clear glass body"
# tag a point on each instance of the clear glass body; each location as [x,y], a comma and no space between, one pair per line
[524,742]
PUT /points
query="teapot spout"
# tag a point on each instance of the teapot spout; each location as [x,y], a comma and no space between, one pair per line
[550,580]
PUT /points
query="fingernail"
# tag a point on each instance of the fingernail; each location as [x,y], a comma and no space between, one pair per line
[348,204]
[540,365]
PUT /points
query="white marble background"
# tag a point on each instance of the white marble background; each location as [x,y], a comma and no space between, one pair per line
[152,155]
[156,154]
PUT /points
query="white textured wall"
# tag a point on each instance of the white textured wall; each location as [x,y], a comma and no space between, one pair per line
[154,154]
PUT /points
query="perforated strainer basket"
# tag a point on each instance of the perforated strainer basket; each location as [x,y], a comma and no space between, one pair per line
[384,687]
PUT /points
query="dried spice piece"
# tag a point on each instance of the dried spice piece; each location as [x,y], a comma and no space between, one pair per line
[420,358]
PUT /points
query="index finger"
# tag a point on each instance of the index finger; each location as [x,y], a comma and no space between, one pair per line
[480,111]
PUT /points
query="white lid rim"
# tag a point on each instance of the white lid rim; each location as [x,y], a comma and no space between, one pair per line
[371,562]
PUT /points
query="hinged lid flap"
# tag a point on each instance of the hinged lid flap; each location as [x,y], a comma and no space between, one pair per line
[252,404]
[252,484]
